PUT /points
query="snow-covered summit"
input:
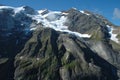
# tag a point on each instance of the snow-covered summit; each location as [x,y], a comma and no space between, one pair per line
[55,20]
[43,12]
[27,18]
[24,9]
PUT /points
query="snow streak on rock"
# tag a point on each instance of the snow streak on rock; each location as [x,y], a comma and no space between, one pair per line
[84,13]
[113,35]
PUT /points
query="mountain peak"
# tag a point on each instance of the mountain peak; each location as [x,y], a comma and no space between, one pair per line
[57,45]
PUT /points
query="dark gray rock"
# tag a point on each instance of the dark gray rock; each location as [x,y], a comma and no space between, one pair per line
[46,54]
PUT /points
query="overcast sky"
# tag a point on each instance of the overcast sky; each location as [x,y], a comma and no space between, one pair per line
[108,8]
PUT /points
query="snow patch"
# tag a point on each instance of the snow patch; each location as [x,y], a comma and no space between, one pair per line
[5,7]
[32,29]
[84,13]
[52,16]
[75,33]
[45,11]
[16,10]
[55,20]
[64,13]
[40,11]
[21,57]
[19,9]
[113,36]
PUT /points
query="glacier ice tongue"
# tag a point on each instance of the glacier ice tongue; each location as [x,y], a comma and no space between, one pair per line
[55,20]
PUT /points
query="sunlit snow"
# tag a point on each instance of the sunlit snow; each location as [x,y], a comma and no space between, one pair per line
[5,7]
[16,10]
[56,20]
[42,11]
[113,36]
[84,13]
[33,28]
[52,19]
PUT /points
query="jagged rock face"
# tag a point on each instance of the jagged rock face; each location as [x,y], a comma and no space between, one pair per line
[6,21]
[15,18]
[78,45]
[89,24]
[51,55]
[83,23]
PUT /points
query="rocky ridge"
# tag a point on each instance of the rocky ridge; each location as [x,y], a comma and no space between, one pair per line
[54,45]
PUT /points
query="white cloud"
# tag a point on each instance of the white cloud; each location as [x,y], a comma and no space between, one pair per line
[116,13]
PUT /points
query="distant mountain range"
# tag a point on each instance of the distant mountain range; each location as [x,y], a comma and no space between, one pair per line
[57,45]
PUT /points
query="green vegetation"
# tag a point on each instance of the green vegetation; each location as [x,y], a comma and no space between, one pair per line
[96,35]
[71,65]
[115,45]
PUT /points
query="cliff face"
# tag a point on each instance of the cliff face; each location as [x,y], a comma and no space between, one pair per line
[60,56]
[68,45]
